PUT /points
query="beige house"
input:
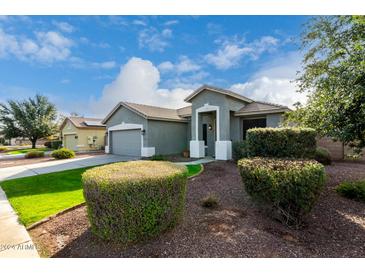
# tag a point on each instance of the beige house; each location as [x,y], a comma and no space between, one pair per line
[83,134]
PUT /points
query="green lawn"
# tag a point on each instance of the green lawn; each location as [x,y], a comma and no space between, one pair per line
[193,169]
[40,196]
[23,151]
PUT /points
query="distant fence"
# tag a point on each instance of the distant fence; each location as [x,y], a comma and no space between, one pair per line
[337,150]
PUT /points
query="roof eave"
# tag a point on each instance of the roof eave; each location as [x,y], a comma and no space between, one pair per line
[221,91]
[167,119]
[252,113]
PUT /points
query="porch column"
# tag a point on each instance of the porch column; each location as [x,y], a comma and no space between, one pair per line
[197,149]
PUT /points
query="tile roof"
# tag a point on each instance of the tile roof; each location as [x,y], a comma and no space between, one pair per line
[261,107]
[158,113]
[82,122]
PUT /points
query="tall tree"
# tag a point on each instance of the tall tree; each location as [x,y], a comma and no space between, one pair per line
[33,118]
[334,75]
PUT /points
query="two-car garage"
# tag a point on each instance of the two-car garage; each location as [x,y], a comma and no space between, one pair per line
[126,142]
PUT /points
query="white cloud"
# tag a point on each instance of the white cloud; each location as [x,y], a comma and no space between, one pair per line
[64,26]
[65,81]
[171,22]
[184,65]
[153,39]
[138,81]
[139,23]
[213,28]
[105,65]
[166,66]
[274,82]
[227,57]
[231,52]
[47,47]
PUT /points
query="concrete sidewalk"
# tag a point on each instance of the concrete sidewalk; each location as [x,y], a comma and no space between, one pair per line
[14,238]
[59,165]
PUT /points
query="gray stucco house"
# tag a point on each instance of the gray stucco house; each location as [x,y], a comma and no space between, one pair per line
[215,118]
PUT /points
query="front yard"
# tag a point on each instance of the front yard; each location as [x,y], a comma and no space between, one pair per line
[26,150]
[236,228]
[37,197]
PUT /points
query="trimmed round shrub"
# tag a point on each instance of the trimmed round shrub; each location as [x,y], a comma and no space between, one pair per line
[287,142]
[239,150]
[63,153]
[289,187]
[34,154]
[323,156]
[132,201]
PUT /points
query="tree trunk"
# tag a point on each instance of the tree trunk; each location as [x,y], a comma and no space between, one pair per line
[34,141]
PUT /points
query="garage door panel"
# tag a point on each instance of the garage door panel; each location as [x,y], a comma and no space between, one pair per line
[126,142]
[70,141]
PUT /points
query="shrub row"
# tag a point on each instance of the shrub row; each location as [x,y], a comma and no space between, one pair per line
[323,156]
[63,153]
[281,142]
[289,187]
[352,190]
[34,154]
[53,144]
[132,201]
[239,150]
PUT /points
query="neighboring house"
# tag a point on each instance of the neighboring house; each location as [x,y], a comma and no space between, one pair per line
[214,119]
[81,134]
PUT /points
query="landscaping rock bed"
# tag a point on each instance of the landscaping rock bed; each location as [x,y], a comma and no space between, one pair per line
[236,228]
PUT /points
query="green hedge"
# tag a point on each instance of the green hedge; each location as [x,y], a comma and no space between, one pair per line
[34,154]
[281,142]
[239,150]
[63,153]
[56,144]
[132,201]
[323,156]
[289,187]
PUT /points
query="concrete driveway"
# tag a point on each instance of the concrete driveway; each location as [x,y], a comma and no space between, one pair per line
[60,165]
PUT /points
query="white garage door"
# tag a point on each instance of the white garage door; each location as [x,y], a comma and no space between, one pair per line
[70,141]
[126,142]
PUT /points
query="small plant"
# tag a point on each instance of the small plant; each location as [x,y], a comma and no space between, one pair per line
[352,190]
[158,157]
[210,201]
[34,154]
[239,150]
[63,153]
[289,187]
[132,201]
[323,156]
[2,149]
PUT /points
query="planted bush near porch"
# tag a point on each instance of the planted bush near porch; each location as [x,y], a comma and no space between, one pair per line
[281,142]
[132,201]
[239,150]
[289,187]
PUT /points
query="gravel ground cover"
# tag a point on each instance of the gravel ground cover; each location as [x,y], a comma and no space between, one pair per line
[236,228]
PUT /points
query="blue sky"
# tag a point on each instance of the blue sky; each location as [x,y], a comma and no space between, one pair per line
[86,64]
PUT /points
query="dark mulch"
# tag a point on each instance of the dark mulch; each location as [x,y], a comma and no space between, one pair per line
[237,228]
